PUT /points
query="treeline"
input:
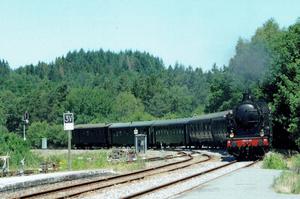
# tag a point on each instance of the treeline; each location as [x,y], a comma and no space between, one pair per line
[103,86]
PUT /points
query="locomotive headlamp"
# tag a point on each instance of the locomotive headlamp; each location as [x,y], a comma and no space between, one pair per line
[262,133]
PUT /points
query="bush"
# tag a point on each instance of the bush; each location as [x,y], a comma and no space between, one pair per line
[274,161]
[55,135]
[14,146]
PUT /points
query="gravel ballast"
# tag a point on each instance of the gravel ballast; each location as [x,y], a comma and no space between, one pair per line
[137,186]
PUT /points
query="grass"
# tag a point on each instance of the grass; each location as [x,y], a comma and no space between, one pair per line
[89,160]
[295,164]
[81,160]
[289,180]
[274,161]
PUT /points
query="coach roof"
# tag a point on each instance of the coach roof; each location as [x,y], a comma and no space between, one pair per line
[91,126]
[171,122]
[131,124]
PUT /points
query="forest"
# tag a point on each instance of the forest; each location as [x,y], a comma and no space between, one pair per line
[103,86]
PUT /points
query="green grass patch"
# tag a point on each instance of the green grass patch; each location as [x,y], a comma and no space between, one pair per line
[89,160]
[287,182]
[274,161]
[295,164]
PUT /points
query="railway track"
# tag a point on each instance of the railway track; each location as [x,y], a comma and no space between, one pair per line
[36,171]
[80,188]
[155,189]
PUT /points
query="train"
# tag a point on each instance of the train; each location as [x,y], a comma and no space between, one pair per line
[245,131]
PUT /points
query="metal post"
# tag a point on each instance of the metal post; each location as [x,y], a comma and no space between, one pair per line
[69,150]
[135,132]
[24,129]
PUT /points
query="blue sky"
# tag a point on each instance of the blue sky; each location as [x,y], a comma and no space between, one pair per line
[192,32]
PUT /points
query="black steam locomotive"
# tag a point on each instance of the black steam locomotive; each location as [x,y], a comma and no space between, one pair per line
[245,130]
[249,129]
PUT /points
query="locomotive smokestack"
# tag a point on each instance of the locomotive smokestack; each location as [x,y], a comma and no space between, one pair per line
[247,96]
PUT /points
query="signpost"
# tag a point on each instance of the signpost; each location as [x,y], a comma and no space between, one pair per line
[69,126]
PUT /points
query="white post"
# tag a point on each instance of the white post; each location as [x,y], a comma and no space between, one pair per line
[24,133]
[26,121]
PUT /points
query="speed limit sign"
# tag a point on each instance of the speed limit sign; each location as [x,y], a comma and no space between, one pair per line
[68,121]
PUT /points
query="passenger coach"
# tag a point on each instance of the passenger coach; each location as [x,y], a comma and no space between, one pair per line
[208,130]
[91,136]
[122,134]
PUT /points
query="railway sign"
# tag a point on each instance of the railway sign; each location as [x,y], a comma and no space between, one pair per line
[68,121]
[26,117]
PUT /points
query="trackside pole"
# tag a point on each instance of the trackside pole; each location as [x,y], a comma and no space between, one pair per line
[69,126]
[69,150]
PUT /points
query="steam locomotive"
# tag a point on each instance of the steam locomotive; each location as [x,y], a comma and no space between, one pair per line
[245,131]
[249,129]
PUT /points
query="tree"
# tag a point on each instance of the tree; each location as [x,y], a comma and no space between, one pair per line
[56,136]
[223,93]
[88,104]
[4,70]
[282,88]
[126,107]
[159,104]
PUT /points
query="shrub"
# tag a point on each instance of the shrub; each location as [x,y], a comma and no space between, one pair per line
[274,161]
[55,135]
[14,146]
